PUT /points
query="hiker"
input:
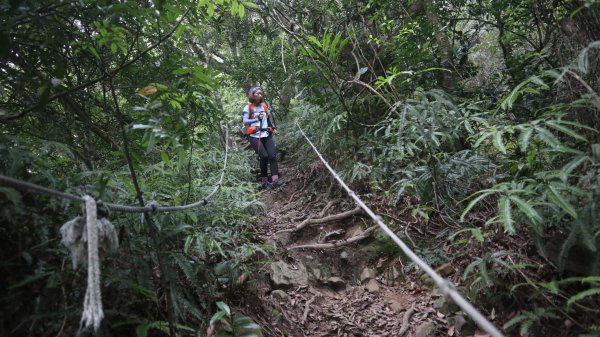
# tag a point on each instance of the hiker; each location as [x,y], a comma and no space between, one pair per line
[260,130]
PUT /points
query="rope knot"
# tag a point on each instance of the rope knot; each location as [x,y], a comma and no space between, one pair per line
[154,205]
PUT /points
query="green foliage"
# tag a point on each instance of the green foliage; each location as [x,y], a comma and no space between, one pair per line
[549,187]
[228,324]
[531,320]
[438,101]
[73,119]
[327,49]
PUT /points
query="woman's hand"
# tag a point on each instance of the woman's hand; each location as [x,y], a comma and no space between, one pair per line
[261,116]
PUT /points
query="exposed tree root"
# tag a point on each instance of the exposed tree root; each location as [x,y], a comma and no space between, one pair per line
[405,320]
[316,221]
[334,217]
[340,243]
[309,219]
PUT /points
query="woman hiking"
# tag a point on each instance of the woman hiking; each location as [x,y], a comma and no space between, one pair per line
[260,130]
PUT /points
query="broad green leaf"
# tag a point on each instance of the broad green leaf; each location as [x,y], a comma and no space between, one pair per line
[504,209]
[217,316]
[552,286]
[566,170]
[182,71]
[234,7]
[555,196]
[164,157]
[334,43]
[325,44]
[315,41]
[224,307]
[577,125]
[582,295]
[508,102]
[482,138]
[527,209]
[524,138]
[250,4]
[476,232]
[547,136]
[498,142]
[590,279]
[141,126]
[341,47]
[473,202]
[565,130]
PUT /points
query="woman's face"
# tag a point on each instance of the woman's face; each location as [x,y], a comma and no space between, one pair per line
[257,96]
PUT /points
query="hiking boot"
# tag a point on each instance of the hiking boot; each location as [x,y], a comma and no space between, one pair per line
[278,183]
[265,186]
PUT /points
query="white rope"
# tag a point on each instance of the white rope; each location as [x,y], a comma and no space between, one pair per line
[446,287]
[92,304]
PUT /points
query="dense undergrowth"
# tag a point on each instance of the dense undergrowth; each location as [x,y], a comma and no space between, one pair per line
[480,120]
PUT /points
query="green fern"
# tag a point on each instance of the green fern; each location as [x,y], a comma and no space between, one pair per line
[530,319]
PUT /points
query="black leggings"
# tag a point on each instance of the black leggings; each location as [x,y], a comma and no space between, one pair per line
[267,153]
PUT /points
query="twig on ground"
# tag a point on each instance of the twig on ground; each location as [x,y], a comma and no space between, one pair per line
[307,308]
[408,236]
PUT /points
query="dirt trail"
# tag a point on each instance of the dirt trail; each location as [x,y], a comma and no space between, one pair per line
[350,290]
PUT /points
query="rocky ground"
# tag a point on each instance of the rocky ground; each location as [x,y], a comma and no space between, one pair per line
[336,286]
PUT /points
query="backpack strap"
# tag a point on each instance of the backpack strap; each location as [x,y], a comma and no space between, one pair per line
[265,109]
[251,110]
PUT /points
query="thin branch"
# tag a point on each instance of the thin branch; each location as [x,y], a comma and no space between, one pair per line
[282,58]
[580,80]
[366,85]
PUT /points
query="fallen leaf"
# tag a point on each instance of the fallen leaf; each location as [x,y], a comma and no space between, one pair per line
[147,91]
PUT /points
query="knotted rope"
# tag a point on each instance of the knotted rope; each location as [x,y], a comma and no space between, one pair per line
[89,235]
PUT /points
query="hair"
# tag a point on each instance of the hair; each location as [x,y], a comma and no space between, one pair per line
[251,93]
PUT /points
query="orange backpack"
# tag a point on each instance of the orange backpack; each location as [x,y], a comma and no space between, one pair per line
[248,130]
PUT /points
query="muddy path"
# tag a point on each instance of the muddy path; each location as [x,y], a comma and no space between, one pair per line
[337,287]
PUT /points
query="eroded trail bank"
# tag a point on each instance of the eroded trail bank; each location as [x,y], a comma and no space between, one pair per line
[343,284]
